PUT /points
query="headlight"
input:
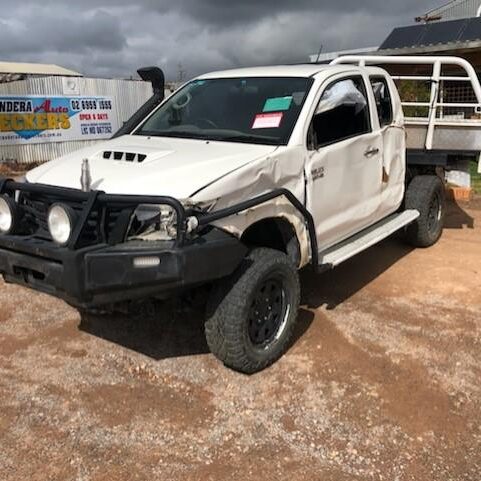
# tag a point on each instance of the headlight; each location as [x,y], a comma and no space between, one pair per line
[7,214]
[153,222]
[61,221]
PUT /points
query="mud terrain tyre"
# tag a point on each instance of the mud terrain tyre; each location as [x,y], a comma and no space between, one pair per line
[426,194]
[251,316]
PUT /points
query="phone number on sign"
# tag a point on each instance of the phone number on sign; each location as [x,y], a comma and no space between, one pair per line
[89,129]
[91,104]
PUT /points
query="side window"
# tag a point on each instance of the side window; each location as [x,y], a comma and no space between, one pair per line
[342,113]
[383,100]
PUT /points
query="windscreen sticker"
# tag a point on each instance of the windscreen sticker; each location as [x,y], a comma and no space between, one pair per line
[278,104]
[268,121]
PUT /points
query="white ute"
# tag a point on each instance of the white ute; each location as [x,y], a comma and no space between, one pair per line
[234,183]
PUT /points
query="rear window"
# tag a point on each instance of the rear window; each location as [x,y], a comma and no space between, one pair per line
[383,100]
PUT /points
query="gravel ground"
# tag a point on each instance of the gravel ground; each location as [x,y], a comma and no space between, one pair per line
[383,382]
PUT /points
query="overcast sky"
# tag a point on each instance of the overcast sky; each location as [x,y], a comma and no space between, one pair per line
[112,38]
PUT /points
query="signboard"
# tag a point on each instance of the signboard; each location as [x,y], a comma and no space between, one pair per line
[44,119]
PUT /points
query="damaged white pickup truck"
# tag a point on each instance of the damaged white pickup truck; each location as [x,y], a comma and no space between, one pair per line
[236,182]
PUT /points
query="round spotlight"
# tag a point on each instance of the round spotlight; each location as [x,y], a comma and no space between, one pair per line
[61,221]
[7,214]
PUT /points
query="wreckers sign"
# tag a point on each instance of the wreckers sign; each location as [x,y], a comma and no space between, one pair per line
[36,120]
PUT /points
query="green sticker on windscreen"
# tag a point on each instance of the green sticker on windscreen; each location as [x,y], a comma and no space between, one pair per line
[278,104]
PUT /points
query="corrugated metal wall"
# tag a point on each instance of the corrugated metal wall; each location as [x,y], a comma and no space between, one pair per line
[128,96]
[457,9]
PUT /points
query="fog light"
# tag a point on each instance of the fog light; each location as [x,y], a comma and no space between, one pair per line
[61,221]
[7,214]
[146,262]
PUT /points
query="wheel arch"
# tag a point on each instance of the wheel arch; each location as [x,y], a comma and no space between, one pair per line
[275,233]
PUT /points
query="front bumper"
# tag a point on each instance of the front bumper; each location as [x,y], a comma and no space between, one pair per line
[105,274]
[97,267]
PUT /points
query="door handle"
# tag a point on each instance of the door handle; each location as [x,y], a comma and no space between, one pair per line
[371,152]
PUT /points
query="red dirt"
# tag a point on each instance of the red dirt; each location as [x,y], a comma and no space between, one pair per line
[383,382]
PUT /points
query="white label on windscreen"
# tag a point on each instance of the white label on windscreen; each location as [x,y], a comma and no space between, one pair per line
[268,121]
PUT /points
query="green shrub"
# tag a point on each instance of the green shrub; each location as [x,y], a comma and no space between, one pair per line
[475,177]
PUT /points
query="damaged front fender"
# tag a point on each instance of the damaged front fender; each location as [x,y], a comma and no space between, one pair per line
[283,169]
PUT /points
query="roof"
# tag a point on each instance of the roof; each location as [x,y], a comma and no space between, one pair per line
[302,70]
[458,32]
[36,69]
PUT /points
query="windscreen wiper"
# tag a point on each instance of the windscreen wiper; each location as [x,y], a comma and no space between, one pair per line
[251,139]
[174,134]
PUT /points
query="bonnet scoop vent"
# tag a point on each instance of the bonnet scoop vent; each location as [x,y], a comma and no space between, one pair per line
[124,156]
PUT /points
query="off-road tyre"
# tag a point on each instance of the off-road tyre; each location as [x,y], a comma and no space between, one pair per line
[243,309]
[426,194]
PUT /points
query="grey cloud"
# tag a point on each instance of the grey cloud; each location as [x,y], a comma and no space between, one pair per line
[55,31]
[222,13]
[115,37]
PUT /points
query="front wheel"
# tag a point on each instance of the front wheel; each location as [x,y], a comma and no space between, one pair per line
[252,315]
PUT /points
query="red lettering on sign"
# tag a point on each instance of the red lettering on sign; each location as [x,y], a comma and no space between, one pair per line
[46,107]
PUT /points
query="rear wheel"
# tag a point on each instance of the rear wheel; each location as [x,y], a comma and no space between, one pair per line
[426,194]
[251,317]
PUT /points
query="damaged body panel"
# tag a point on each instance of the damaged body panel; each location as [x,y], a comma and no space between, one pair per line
[131,165]
[282,169]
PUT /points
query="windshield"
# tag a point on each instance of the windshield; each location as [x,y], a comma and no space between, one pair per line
[251,110]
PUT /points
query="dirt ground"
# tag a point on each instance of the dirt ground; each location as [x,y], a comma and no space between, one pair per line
[383,382]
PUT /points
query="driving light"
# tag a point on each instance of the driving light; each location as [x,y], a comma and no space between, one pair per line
[61,221]
[7,214]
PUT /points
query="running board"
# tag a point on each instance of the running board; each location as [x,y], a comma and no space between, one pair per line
[339,253]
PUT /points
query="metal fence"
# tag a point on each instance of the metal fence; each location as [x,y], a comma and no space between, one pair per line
[127,95]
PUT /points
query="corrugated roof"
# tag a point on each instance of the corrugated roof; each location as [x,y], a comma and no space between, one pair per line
[452,32]
[36,69]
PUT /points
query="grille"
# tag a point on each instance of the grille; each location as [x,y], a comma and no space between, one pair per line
[100,226]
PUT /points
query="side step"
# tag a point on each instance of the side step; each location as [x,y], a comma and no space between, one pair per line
[340,253]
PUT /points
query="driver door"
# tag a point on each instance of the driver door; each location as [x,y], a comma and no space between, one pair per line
[344,162]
